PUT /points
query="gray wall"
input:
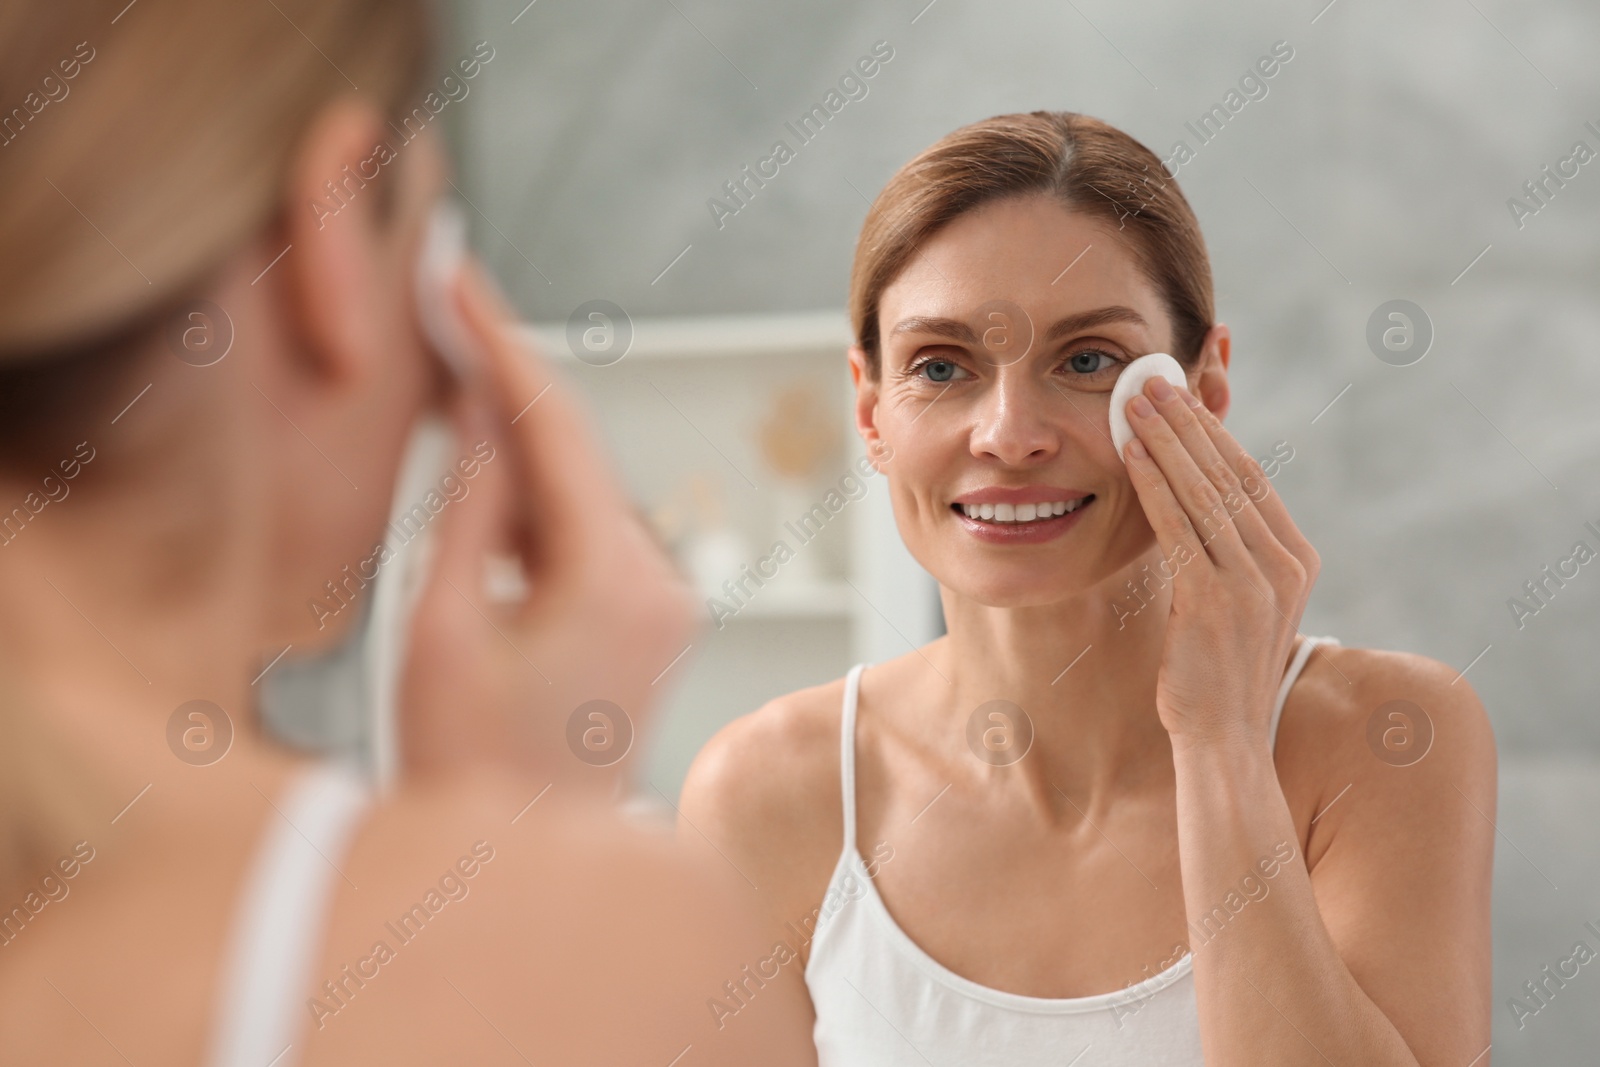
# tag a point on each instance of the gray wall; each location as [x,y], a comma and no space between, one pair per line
[1377,167]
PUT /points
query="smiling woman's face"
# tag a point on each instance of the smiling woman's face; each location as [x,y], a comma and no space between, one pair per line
[994,395]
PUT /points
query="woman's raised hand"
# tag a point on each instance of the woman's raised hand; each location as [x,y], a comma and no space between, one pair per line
[1244,570]
[606,612]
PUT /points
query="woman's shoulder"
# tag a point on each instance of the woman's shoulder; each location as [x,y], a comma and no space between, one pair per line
[503,810]
[453,901]
[765,790]
[1359,717]
[512,882]
[1344,690]
[774,764]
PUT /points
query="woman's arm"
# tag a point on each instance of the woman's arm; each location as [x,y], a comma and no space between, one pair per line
[1380,954]
[1381,959]
[762,800]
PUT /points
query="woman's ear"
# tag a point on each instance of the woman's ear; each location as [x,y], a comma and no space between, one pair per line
[866,384]
[332,221]
[1211,380]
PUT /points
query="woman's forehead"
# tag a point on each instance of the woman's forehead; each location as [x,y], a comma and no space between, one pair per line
[1033,252]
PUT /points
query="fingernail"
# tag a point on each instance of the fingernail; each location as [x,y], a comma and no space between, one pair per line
[1142,407]
[1161,389]
[1192,400]
[1136,449]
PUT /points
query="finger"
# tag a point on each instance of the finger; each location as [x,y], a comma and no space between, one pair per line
[1256,486]
[479,526]
[451,612]
[1167,517]
[1202,505]
[1184,418]
[566,495]
[451,623]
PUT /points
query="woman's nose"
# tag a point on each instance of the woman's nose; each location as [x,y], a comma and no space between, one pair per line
[1015,424]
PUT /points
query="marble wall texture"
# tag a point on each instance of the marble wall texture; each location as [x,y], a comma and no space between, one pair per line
[1379,165]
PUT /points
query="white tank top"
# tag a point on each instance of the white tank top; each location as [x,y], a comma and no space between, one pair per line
[279,922]
[881,1001]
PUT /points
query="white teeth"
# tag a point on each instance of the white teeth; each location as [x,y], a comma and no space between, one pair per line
[1020,512]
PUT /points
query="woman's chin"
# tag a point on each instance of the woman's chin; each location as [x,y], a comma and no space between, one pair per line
[1017,588]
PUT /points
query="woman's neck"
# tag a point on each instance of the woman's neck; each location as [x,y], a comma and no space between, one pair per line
[125,600]
[131,595]
[1082,671]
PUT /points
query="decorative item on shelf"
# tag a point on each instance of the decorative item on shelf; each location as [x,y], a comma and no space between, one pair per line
[799,437]
[713,551]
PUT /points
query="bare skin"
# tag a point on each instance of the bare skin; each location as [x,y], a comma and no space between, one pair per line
[183,562]
[1150,789]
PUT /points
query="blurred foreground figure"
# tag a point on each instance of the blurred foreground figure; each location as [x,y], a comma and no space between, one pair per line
[210,367]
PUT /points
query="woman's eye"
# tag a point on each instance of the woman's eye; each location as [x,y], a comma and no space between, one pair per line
[939,370]
[1084,362]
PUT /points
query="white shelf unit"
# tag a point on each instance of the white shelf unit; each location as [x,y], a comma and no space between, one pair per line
[689,398]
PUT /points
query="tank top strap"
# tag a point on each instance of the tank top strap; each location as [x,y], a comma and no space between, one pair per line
[280,918]
[1296,665]
[847,754]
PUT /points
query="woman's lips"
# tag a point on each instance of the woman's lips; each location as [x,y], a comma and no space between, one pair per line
[1020,533]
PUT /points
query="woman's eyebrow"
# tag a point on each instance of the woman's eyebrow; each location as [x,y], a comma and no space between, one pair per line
[1086,319]
[957,330]
[951,328]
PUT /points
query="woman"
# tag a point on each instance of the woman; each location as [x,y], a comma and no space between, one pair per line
[1071,830]
[209,363]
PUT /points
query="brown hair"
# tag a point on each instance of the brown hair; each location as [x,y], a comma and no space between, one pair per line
[1088,165]
[140,146]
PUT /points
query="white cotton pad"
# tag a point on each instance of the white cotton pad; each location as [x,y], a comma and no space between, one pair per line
[1131,382]
[444,248]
